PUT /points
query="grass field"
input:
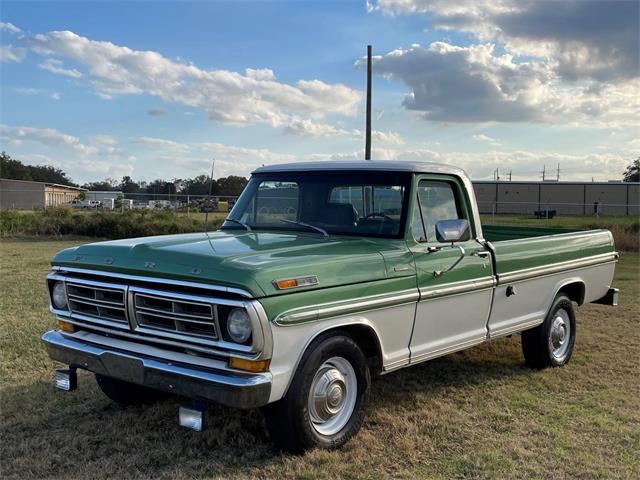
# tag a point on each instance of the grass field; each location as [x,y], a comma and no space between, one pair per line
[478,413]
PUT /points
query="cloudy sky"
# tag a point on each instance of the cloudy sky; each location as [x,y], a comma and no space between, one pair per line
[158,89]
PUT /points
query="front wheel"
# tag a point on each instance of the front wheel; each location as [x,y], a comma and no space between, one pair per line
[325,404]
[551,343]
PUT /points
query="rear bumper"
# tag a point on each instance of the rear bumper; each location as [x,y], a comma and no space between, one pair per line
[611,298]
[224,387]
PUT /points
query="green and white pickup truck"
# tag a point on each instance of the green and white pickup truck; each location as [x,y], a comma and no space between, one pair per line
[323,275]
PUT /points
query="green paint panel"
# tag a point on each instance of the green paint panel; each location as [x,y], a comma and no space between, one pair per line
[248,260]
[498,233]
[531,252]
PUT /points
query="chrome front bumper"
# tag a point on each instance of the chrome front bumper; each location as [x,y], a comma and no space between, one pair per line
[224,387]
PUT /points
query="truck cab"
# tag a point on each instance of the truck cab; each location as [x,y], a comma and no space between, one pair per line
[322,275]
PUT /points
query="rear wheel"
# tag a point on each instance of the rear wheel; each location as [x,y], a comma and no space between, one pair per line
[126,393]
[551,343]
[325,404]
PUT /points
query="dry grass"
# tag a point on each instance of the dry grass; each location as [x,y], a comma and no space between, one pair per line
[477,414]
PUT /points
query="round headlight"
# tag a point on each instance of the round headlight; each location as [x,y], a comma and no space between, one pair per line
[59,296]
[239,325]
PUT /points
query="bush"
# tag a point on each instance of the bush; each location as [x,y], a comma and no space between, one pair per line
[114,225]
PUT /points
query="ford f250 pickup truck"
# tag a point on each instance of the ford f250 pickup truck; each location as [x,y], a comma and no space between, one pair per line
[323,275]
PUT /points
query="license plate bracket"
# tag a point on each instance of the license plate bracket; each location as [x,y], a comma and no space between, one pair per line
[123,367]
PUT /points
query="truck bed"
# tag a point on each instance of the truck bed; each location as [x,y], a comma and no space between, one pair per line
[520,251]
[498,233]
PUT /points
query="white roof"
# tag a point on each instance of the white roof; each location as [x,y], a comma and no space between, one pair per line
[364,165]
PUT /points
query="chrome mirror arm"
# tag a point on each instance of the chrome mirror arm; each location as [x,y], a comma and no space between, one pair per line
[437,273]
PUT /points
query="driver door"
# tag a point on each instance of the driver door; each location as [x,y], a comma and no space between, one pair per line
[454,306]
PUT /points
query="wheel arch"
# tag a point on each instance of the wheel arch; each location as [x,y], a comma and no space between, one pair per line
[574,288]
[360,330]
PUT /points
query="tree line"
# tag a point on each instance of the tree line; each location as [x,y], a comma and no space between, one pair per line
[201,185]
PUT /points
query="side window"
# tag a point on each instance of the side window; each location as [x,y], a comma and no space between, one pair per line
[438,201]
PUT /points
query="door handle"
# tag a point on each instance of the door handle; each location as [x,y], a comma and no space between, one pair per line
[481,253]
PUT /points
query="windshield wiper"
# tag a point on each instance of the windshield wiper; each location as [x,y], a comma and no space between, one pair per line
[235,220]
[308,225]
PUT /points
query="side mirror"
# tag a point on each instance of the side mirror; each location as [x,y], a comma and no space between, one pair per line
[456,230]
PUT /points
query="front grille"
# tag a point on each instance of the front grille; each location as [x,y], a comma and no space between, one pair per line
[95,303]
[159,311]
[184,315]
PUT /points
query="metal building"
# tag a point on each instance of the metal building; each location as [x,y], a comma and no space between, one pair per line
[566,198]
[28,195]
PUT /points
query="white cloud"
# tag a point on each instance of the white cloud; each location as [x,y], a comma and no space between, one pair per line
[195,158]
[472,84]
[393,138]
[97,157]
[229,97]
[55,66]
[524,165]
[9,53]
[260,74]
[595,39]
[45,136]
[309,128]
[28,91]
[481,137]
[37,91]
[161,143]
[570,62]
[9,27]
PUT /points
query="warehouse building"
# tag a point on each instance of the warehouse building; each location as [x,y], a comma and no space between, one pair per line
[566,198]
[28,195]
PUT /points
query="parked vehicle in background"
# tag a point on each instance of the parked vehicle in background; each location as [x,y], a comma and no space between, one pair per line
[323,275]
[86,204]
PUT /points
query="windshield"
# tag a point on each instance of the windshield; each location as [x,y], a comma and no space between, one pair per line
[371,204]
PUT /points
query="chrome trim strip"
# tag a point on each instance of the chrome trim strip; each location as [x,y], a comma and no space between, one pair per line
[180,317]
[527,273]
[515,328]
[453,288]
[219,385]
[158,280]
[161,341]
[445,351]
[343,307]
[96,303]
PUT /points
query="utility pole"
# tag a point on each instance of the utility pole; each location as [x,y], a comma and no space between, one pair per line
[544,171]
[509,175]
[367,144]
[206,213]
[558,178]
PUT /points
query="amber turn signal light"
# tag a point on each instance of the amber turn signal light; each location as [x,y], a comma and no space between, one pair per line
[284,283]
[66,326]
[256,366]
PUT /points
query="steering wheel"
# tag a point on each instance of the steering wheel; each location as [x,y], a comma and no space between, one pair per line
[378,214]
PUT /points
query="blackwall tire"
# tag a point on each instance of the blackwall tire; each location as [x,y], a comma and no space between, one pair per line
[551,343]
[326,401]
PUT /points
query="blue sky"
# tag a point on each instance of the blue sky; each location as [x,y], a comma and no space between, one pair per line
[148,89]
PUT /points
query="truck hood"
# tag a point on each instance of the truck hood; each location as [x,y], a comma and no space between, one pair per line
[247,260]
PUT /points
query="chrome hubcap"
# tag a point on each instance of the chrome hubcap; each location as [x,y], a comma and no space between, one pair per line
[560,335]
[332,397]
